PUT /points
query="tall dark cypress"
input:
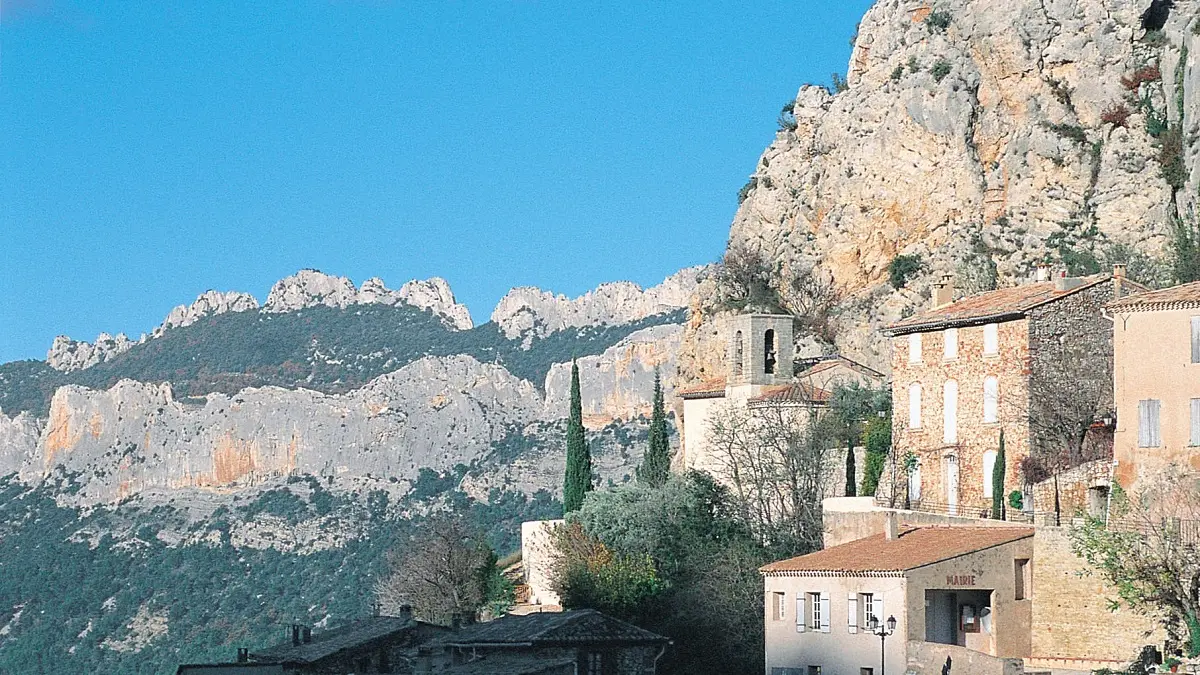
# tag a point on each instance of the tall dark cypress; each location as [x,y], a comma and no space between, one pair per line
[998,482]
[578,479]
[851,478]
[656,465]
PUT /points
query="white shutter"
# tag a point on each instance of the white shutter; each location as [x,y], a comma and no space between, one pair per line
[1195,435]
[914,348]
[914,406]
[1155,428]
[1196,339]
[989,465]
[991,399]
[800,613]
[1143,424]
[852,613]
[951,343]
[950,412]
[879,609]
[824,612]
[914,483]
[991,339]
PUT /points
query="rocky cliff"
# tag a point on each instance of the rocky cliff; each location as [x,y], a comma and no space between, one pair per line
[981,138]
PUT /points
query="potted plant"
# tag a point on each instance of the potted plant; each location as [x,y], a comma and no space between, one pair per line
[1171,663]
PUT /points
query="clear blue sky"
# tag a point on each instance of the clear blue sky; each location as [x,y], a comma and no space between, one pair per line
[152,150]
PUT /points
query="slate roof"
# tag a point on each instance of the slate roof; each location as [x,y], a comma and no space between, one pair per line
[915,547]
[229,669]
[1177,297]
[343,638]
[1004,304]
[793,393]
[573,627]
[511,664]
[710,388]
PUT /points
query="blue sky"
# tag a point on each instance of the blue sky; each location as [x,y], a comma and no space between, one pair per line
[152,150]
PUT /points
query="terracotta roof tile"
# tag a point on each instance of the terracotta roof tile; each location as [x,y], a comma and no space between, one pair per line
[915,547]
[793,393]
[1005,303]
[710,388]
[835,361]
[1186,295]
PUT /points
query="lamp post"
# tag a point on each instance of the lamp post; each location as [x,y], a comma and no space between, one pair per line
[883,632]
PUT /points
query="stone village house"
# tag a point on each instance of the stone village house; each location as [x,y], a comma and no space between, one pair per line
[1005,359]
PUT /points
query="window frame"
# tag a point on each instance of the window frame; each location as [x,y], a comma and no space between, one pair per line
[814,611]
[779,605]
[914,411]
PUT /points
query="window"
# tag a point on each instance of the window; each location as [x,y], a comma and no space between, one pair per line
[991,399]
[991,339]
[1196,339]
[1148,429]
[779,606]
[951,343]
[737,353]
[595,663]
[814,601]
[866,671]
[989,465]
[914,483]
[814,670]
[1021,579]
[769,352]
[801,623]
[914,348]
[950,412]
[868,604]
[914,406]
[1194,438]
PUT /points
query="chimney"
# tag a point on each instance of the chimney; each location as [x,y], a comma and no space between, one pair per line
[243,655]
[1062,282]
[295,634]
[943,291]
[1043,273]
[891,529]
[376,609]
[306,634]
[1118,279]
[405,612]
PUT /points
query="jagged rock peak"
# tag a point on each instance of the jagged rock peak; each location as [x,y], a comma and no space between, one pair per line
[66,354]
[312,288]
[531,310]
[208,303]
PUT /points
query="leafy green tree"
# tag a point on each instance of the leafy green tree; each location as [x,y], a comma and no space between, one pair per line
[656,465]
[877,438]
[998,481]
[578,479]
[1186,252]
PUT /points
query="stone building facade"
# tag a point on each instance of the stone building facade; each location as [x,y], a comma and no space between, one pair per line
[966,370]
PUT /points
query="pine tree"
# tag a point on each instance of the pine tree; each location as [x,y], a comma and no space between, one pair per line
[578,479]
[656,465]
[998,482]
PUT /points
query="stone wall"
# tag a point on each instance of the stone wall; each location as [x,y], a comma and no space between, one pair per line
[537,556]
[1079,490]
[975,437]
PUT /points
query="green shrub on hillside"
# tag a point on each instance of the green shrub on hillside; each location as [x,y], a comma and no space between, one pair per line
[902,268]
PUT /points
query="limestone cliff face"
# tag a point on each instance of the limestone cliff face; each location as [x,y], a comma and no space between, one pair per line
[209,303]
[618,384]
[436,412]
[529,310]
[311,288]
[974,129]
[66,354]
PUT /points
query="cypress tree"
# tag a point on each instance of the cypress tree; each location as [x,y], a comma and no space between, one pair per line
[998,482]
[578,479]
[851,488]
[656,465]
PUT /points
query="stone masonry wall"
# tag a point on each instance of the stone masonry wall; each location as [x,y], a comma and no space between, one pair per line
[975,437]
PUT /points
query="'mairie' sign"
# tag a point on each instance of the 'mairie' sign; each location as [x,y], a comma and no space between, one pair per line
[960,579]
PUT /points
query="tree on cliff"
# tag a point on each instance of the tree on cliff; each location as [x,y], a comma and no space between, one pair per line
[656,465]
[578,479]
[998,481]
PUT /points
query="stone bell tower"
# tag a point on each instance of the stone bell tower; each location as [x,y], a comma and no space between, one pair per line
[761,353]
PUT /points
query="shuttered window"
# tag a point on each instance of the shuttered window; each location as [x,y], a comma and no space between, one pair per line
[914,406]
[1148,423]
[991,399]
[951,342]
[1194,437]
[779,605]
[1196,339]
[914,348]
[950,412]
[852,613]
[991,340]
[914,484]
[800,620]
[825,612]
[989,465]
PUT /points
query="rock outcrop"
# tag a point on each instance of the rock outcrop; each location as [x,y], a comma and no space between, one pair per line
[66,354]
[529,310]
[983,138]
[312,288]
[209,303]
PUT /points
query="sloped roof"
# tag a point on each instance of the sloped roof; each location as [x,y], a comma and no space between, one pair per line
[327,643]
[710,388]
[802,392]
[577,626]
[1175,297]
[915,547]
[1004,304]
[510,664]
[832,362]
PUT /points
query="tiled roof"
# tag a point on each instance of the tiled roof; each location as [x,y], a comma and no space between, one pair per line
[511,664]
[793,393]
[915,547]
[1002,304]
[835,361]
[710,388]
[1186,295]
[577,626]
[327,643]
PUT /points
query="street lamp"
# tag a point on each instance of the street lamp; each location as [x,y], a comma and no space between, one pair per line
[883,632]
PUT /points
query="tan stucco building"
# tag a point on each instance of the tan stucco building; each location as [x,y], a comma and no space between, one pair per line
[958,592]
[1156,349]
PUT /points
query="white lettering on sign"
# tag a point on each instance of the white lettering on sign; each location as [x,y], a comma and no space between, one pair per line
[960,579]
